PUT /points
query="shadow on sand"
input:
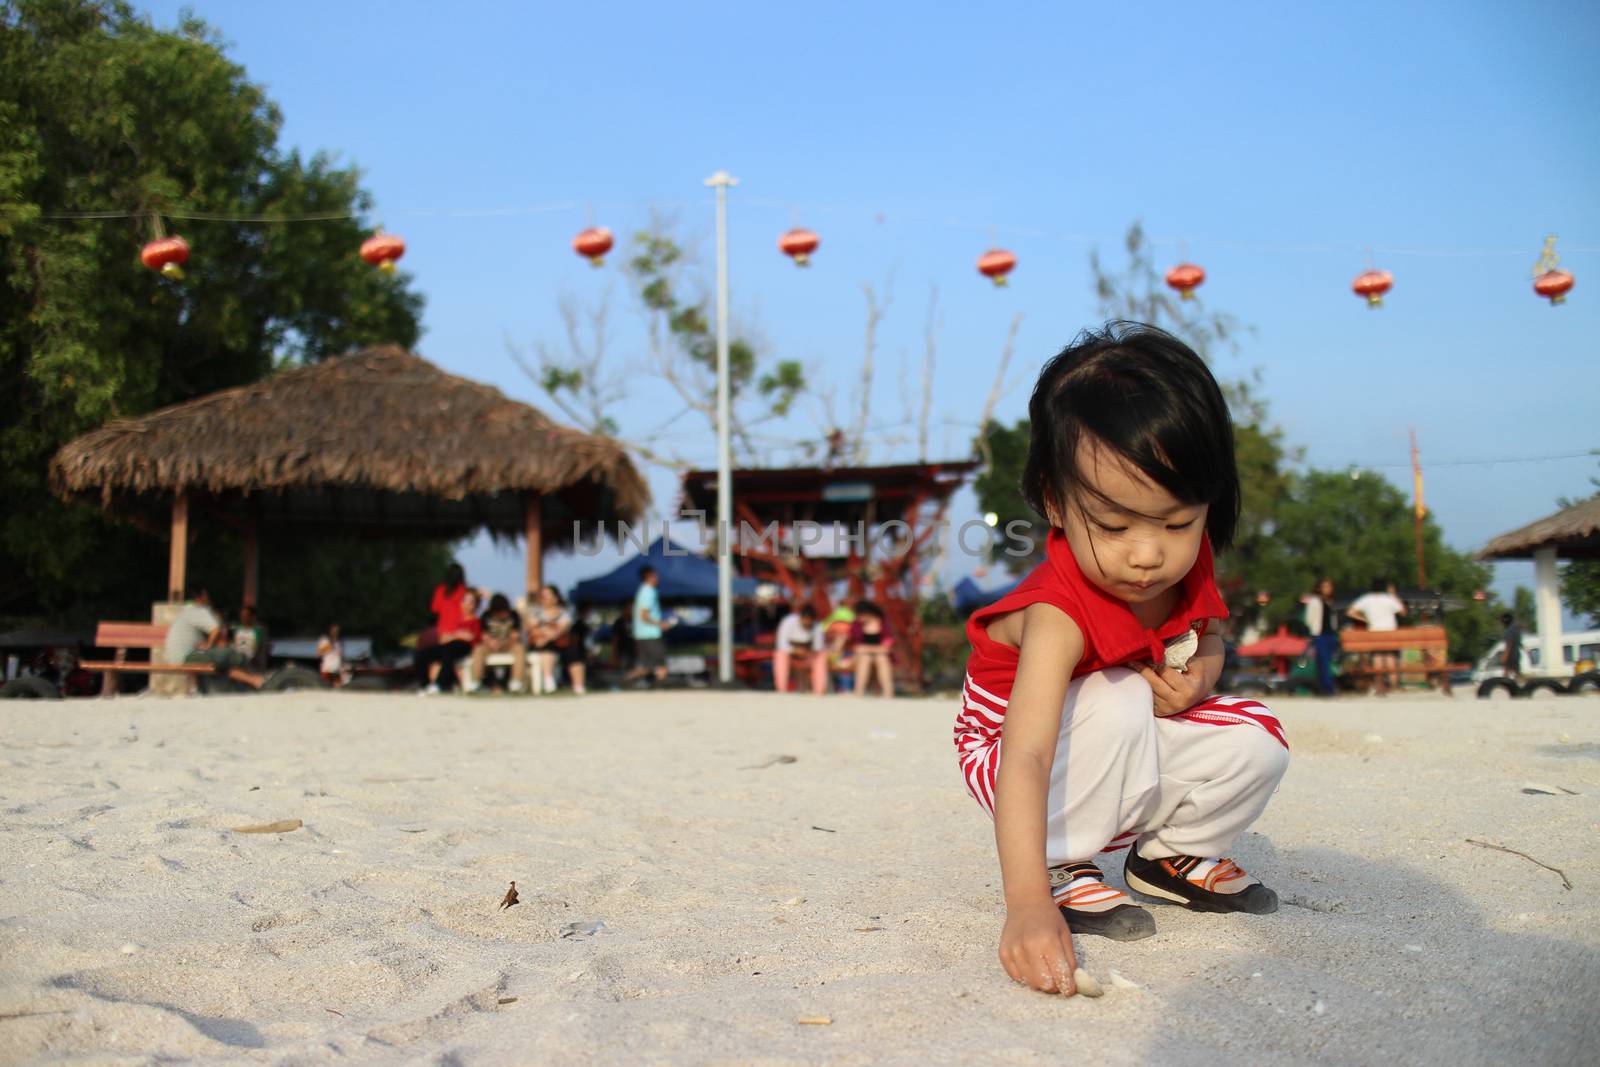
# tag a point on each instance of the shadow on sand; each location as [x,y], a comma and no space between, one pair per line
[1394,966]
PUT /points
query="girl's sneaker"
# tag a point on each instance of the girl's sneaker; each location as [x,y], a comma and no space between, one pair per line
[1198,884]
[1092,907]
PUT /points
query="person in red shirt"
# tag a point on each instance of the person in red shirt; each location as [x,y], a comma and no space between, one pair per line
[446,604]
[436,666]
[1093,677]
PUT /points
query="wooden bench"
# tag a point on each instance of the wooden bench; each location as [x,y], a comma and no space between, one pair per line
[1431,641]
[123,636]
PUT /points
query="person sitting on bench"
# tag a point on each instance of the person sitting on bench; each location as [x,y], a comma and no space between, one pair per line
[1380,611]
[197,635]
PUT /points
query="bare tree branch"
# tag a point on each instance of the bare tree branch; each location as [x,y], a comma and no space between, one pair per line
[875,313]
[930,337]
[998,389]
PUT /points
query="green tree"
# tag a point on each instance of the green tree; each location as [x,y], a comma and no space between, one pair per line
[998,487]
[1580,589]
[1580,579]
[110,130]
[1524,608]
[1355,527]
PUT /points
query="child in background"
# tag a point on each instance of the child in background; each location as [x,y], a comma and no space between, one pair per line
[330,656]
[502,633]
[872,646]
[247,639]
[1092,676]
[799,634]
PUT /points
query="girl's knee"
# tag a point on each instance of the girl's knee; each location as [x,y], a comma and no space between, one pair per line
[1260,754]
[1118,703]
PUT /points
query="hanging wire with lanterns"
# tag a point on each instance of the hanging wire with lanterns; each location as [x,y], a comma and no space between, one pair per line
[169,254]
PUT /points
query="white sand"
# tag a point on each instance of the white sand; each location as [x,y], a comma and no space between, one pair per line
[135,925]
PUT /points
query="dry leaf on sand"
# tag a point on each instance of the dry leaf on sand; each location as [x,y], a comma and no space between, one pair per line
[282,826]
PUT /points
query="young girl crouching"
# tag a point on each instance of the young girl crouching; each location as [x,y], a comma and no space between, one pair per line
[1087,721]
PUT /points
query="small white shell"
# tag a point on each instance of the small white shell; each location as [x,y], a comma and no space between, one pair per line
[1124,983]
[1087,986]
[1181,649]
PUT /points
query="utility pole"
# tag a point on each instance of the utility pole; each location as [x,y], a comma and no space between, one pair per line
[1418,509]
[720,181]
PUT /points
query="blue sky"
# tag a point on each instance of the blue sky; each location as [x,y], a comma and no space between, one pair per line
[1276,143]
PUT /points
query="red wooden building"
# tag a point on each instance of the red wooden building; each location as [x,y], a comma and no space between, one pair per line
[839,533]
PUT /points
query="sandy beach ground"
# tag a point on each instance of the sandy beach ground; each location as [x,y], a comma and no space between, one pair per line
[741,893]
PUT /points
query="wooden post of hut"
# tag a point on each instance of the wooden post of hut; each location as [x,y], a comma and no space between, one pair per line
[533,517]
[178,554]
[163,612]
[252,561]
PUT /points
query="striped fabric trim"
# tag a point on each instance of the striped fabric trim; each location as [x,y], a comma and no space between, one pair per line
[1120,842]
[998,702]
[1089,894]
[1234,711]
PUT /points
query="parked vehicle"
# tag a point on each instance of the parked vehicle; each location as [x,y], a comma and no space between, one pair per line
[1580,655]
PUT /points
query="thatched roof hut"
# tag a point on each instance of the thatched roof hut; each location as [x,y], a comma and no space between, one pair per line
[1574,532]
[376,441]
[1571,533]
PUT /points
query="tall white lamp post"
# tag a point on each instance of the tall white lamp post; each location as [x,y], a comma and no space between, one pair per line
[720,181]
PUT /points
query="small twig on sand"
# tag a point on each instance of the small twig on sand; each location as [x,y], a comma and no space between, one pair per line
[1566,883]
[31,1014]
[769,763]
[330,1011]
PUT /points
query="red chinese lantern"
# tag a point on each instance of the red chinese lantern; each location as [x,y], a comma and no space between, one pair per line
[1263,598]
[1479,595]
[995,264]
[1184,278]
[593,244]
[1553,285]
[167,255]
[1372,284]
[798,244]
[382,250]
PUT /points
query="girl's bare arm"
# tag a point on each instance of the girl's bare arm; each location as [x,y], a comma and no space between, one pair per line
[1035,946]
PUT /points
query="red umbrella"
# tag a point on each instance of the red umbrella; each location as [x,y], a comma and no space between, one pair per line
[1282,643]
[1281,647]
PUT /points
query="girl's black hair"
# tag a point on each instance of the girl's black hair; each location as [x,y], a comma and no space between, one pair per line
[454,576]
[1148,398]
[499,605]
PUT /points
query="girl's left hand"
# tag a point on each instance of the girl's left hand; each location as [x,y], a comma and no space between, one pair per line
[1174,690]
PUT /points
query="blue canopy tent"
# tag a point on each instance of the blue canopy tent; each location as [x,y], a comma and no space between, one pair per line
[681,575]
[969,597]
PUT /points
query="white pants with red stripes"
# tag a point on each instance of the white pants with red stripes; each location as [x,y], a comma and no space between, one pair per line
[1186,784]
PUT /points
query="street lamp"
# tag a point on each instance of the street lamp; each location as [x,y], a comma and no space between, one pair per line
[720,181]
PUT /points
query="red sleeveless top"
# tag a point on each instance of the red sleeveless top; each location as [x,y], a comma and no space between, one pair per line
[1112,636]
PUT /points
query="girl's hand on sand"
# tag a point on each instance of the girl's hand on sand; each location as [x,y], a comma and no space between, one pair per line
[1036,949]
[1174,691]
